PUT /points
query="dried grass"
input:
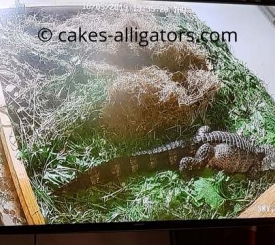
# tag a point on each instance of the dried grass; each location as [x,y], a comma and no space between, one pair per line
[153,87]
[146,100]
[179,56]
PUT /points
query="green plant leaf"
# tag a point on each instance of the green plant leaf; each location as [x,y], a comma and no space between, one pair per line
[205,191]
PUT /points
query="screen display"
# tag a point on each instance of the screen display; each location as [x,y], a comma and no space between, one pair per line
[136,111]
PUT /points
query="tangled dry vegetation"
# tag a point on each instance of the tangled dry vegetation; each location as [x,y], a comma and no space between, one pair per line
[149,99]
[75,105]
[143,89]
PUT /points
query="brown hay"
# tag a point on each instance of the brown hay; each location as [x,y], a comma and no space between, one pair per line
[181,85]
[179,56]
[146,100]
[175,56]
[159,86]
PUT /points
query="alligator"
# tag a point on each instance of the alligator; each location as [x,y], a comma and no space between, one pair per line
[229,152]
[221,150]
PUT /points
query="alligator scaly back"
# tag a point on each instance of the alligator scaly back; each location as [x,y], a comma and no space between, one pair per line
[166,157]
[229,152]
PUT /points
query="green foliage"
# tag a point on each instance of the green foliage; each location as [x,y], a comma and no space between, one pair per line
[73,141]
[206,192]
[161,196]
[243,98]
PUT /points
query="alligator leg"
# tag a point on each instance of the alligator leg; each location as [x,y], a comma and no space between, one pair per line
[203,155]
[268,163]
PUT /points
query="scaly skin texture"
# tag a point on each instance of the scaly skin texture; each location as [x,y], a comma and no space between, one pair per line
[229,152]
[166,157]
[221,150]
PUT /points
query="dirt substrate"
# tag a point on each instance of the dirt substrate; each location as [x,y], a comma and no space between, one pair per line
[10,207]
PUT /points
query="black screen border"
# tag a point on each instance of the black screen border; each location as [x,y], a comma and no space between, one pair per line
[136,226]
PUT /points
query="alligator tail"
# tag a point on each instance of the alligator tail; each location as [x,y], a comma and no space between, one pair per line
[162,158]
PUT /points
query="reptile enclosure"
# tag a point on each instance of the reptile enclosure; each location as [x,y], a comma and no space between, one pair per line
[10,152]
